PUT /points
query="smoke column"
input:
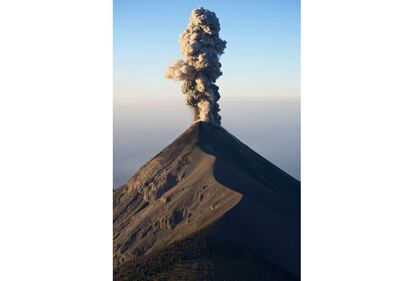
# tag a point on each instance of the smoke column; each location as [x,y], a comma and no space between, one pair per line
[201,47]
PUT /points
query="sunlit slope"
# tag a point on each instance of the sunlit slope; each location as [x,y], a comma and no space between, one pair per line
[207,181]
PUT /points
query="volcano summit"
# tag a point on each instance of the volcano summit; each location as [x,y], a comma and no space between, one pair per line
[207,207]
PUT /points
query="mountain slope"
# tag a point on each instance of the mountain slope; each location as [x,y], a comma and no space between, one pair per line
[201,258]
[208,182]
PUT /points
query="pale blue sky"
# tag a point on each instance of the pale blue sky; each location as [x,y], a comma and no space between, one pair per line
[259,88]
[262,55]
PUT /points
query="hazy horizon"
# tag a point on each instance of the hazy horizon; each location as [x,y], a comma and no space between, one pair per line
[271,127]
[259,88]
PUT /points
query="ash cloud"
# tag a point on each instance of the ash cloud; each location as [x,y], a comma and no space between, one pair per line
[201,47]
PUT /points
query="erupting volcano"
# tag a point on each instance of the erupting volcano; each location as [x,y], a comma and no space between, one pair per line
[207,207]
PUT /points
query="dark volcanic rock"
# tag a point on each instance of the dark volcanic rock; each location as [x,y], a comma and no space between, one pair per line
[208,179]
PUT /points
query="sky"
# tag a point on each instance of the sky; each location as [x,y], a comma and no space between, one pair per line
[259,88]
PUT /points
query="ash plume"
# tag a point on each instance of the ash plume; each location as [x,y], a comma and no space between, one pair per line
[201,47]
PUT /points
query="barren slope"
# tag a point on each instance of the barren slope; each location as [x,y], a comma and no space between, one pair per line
[208,180]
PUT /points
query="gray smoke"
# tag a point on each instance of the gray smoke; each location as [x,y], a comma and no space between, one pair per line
[200,68]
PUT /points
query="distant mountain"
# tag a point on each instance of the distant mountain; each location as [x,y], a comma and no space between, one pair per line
[207,207]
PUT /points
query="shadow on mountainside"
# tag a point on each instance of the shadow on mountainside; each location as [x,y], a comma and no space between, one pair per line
[201,258]
[257,239]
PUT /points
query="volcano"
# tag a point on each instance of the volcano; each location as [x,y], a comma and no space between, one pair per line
[207,207]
